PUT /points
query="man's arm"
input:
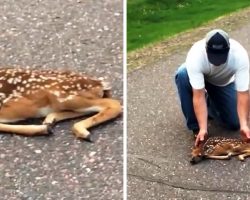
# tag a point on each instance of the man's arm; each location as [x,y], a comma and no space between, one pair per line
[200,109]
[243,112]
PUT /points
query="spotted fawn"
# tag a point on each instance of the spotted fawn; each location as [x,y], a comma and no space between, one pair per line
[220,148]
[56,96]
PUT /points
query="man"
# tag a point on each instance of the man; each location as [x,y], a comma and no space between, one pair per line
[214,82]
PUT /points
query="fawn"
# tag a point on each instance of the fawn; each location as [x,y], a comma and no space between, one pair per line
[55,95]
[220,148]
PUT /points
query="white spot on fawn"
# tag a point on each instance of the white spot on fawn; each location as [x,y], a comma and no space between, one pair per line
[10,80]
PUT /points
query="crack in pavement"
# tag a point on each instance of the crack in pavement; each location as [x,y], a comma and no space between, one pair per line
[177,185]
[146,158]
[148,161]
[187,187]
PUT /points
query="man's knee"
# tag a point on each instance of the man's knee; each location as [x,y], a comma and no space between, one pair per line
[181,76]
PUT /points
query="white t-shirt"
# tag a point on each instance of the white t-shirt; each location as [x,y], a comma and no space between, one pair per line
[235,69]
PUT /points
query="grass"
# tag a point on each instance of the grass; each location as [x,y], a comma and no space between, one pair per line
[154,20]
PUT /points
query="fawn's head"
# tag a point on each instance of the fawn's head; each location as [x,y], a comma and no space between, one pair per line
[197,155]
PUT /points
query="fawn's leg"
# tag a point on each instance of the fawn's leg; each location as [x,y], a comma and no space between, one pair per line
[243,156]
[220,153]
[219,157]
[20,110]
[59,116]
[27,130]
[107,109]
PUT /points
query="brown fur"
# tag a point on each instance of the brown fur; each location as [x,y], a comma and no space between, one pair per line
[54,95]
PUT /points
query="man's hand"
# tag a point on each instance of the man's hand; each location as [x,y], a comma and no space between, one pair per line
[202,135]
[243,112]
[245,133]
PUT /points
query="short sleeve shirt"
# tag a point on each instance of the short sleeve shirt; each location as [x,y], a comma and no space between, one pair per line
[235,69]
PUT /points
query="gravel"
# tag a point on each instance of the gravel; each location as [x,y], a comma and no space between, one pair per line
[69,35]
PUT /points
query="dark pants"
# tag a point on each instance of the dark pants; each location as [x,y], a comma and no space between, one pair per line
[221,101]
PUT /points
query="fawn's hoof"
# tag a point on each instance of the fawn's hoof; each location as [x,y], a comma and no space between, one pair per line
[82,133]
[50,128]
[86,138]
[89,138]
[241,158]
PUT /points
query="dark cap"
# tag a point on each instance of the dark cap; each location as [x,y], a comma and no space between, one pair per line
[217,46]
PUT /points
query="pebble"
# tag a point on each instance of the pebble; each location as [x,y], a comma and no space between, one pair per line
[2,156]
[54,182]
[38,151]
[88,170]
[92,153]
[8,175]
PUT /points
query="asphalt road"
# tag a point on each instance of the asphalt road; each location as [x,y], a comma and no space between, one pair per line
[73,35]
[159,144]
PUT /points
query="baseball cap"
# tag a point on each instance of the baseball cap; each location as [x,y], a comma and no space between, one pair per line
[217,46]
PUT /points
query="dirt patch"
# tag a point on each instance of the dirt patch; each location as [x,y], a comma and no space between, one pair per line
[149,54]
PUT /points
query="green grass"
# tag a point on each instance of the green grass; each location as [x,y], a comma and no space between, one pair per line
[153,20]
